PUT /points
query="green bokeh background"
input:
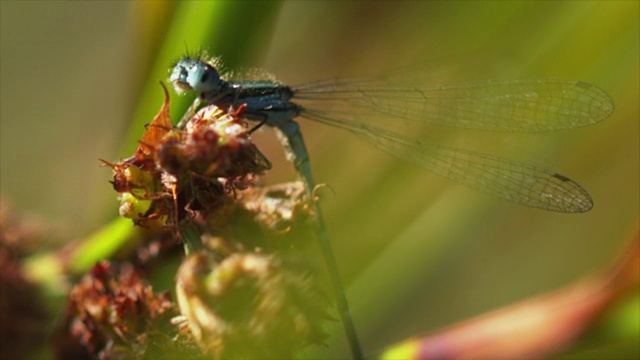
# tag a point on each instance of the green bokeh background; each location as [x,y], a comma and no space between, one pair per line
[417,252]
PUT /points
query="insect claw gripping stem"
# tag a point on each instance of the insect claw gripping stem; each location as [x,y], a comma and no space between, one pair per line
[189,114]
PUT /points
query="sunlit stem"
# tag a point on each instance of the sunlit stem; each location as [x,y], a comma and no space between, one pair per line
[191,238]
[297,151]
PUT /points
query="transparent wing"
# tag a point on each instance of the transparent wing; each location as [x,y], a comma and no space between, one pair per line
[515,106]
[513,181]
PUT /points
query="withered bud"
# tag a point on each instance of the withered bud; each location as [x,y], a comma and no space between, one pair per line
[112,312]
[250,305]
[194,168]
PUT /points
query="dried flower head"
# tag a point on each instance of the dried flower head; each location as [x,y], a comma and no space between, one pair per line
[112,312]
[250,305]
[23,314]
[174,173]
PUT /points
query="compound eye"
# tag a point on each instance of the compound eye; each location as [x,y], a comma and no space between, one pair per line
[205,76]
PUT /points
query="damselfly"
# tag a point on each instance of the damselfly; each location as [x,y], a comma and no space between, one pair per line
[511,106]
[355,104]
